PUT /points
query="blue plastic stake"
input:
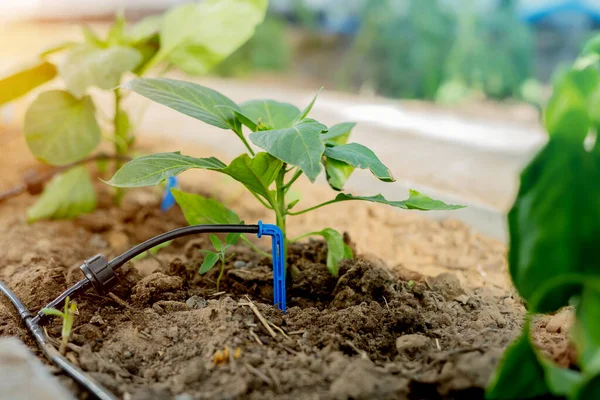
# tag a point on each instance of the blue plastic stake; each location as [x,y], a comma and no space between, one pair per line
[168,200]
[278,255]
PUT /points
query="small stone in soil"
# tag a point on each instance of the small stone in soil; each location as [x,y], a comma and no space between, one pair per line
[412,345]
[239,264]
[560,322]
[196,302]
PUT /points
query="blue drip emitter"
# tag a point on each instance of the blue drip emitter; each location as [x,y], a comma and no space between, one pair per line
[278,257]
[168,199]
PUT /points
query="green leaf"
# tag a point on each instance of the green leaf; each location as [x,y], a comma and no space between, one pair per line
[299,145]
[153,169]
[68,195]
[416,201]
[309,107]
[60,129]
[592,46]
[200,210]
[216,242]
[53,311]
[86,66]
[338,134]
[560,381]
[586,331]
[589,389]
[566,115]
[190,99]
[144,29]
[519,375]
[360,156]
[553,224]
[232,238]
[57,48]
[336,249]
[91,38]
[256,173]
[292,204]
[270,114]
[22,82]
[209,261]
[116,33]
[337,172]
[197,36]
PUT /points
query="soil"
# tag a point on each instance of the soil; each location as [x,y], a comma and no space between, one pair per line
[432,324]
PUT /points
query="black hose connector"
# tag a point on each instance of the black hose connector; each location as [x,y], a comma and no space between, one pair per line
[100,274]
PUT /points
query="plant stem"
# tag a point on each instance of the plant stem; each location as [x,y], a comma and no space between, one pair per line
[303,236]
[312,208]
[296,175]
[264,203]
[280,201]
[254,247]
[221,272]
[240,134]
[63,345]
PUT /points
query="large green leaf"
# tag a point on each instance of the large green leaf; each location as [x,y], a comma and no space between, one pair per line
[270,114]
[22,82]
[360,156]
[60,129]
[337,172]
[299,145]
[200,210]
[336,249]
[86,66]
[66,196]
[153,169]
[197,36]
[338,134]
[416,201]
[553,223]
[567,112]
[190,99]
[519,375]
[256,173]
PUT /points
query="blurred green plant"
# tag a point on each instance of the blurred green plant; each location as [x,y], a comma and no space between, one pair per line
[293,144]
[267,50]
[62,126]
[429,51]
[554,227]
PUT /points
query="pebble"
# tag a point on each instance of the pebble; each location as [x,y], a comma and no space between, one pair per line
[411,345]
[196,302]
[560,322]
[239,264]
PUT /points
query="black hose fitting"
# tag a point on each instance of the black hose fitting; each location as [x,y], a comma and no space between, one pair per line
[100,274]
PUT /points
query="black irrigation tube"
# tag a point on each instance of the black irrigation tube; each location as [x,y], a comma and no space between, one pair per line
[50,351]
[99,274]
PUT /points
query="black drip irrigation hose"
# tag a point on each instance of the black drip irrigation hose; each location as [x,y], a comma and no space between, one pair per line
[100,274]
[50,351]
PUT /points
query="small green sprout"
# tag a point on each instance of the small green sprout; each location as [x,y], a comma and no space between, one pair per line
[212,257]
[68,317]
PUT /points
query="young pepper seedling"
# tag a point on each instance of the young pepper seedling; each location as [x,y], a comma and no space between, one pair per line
[212,257]
[68,317]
